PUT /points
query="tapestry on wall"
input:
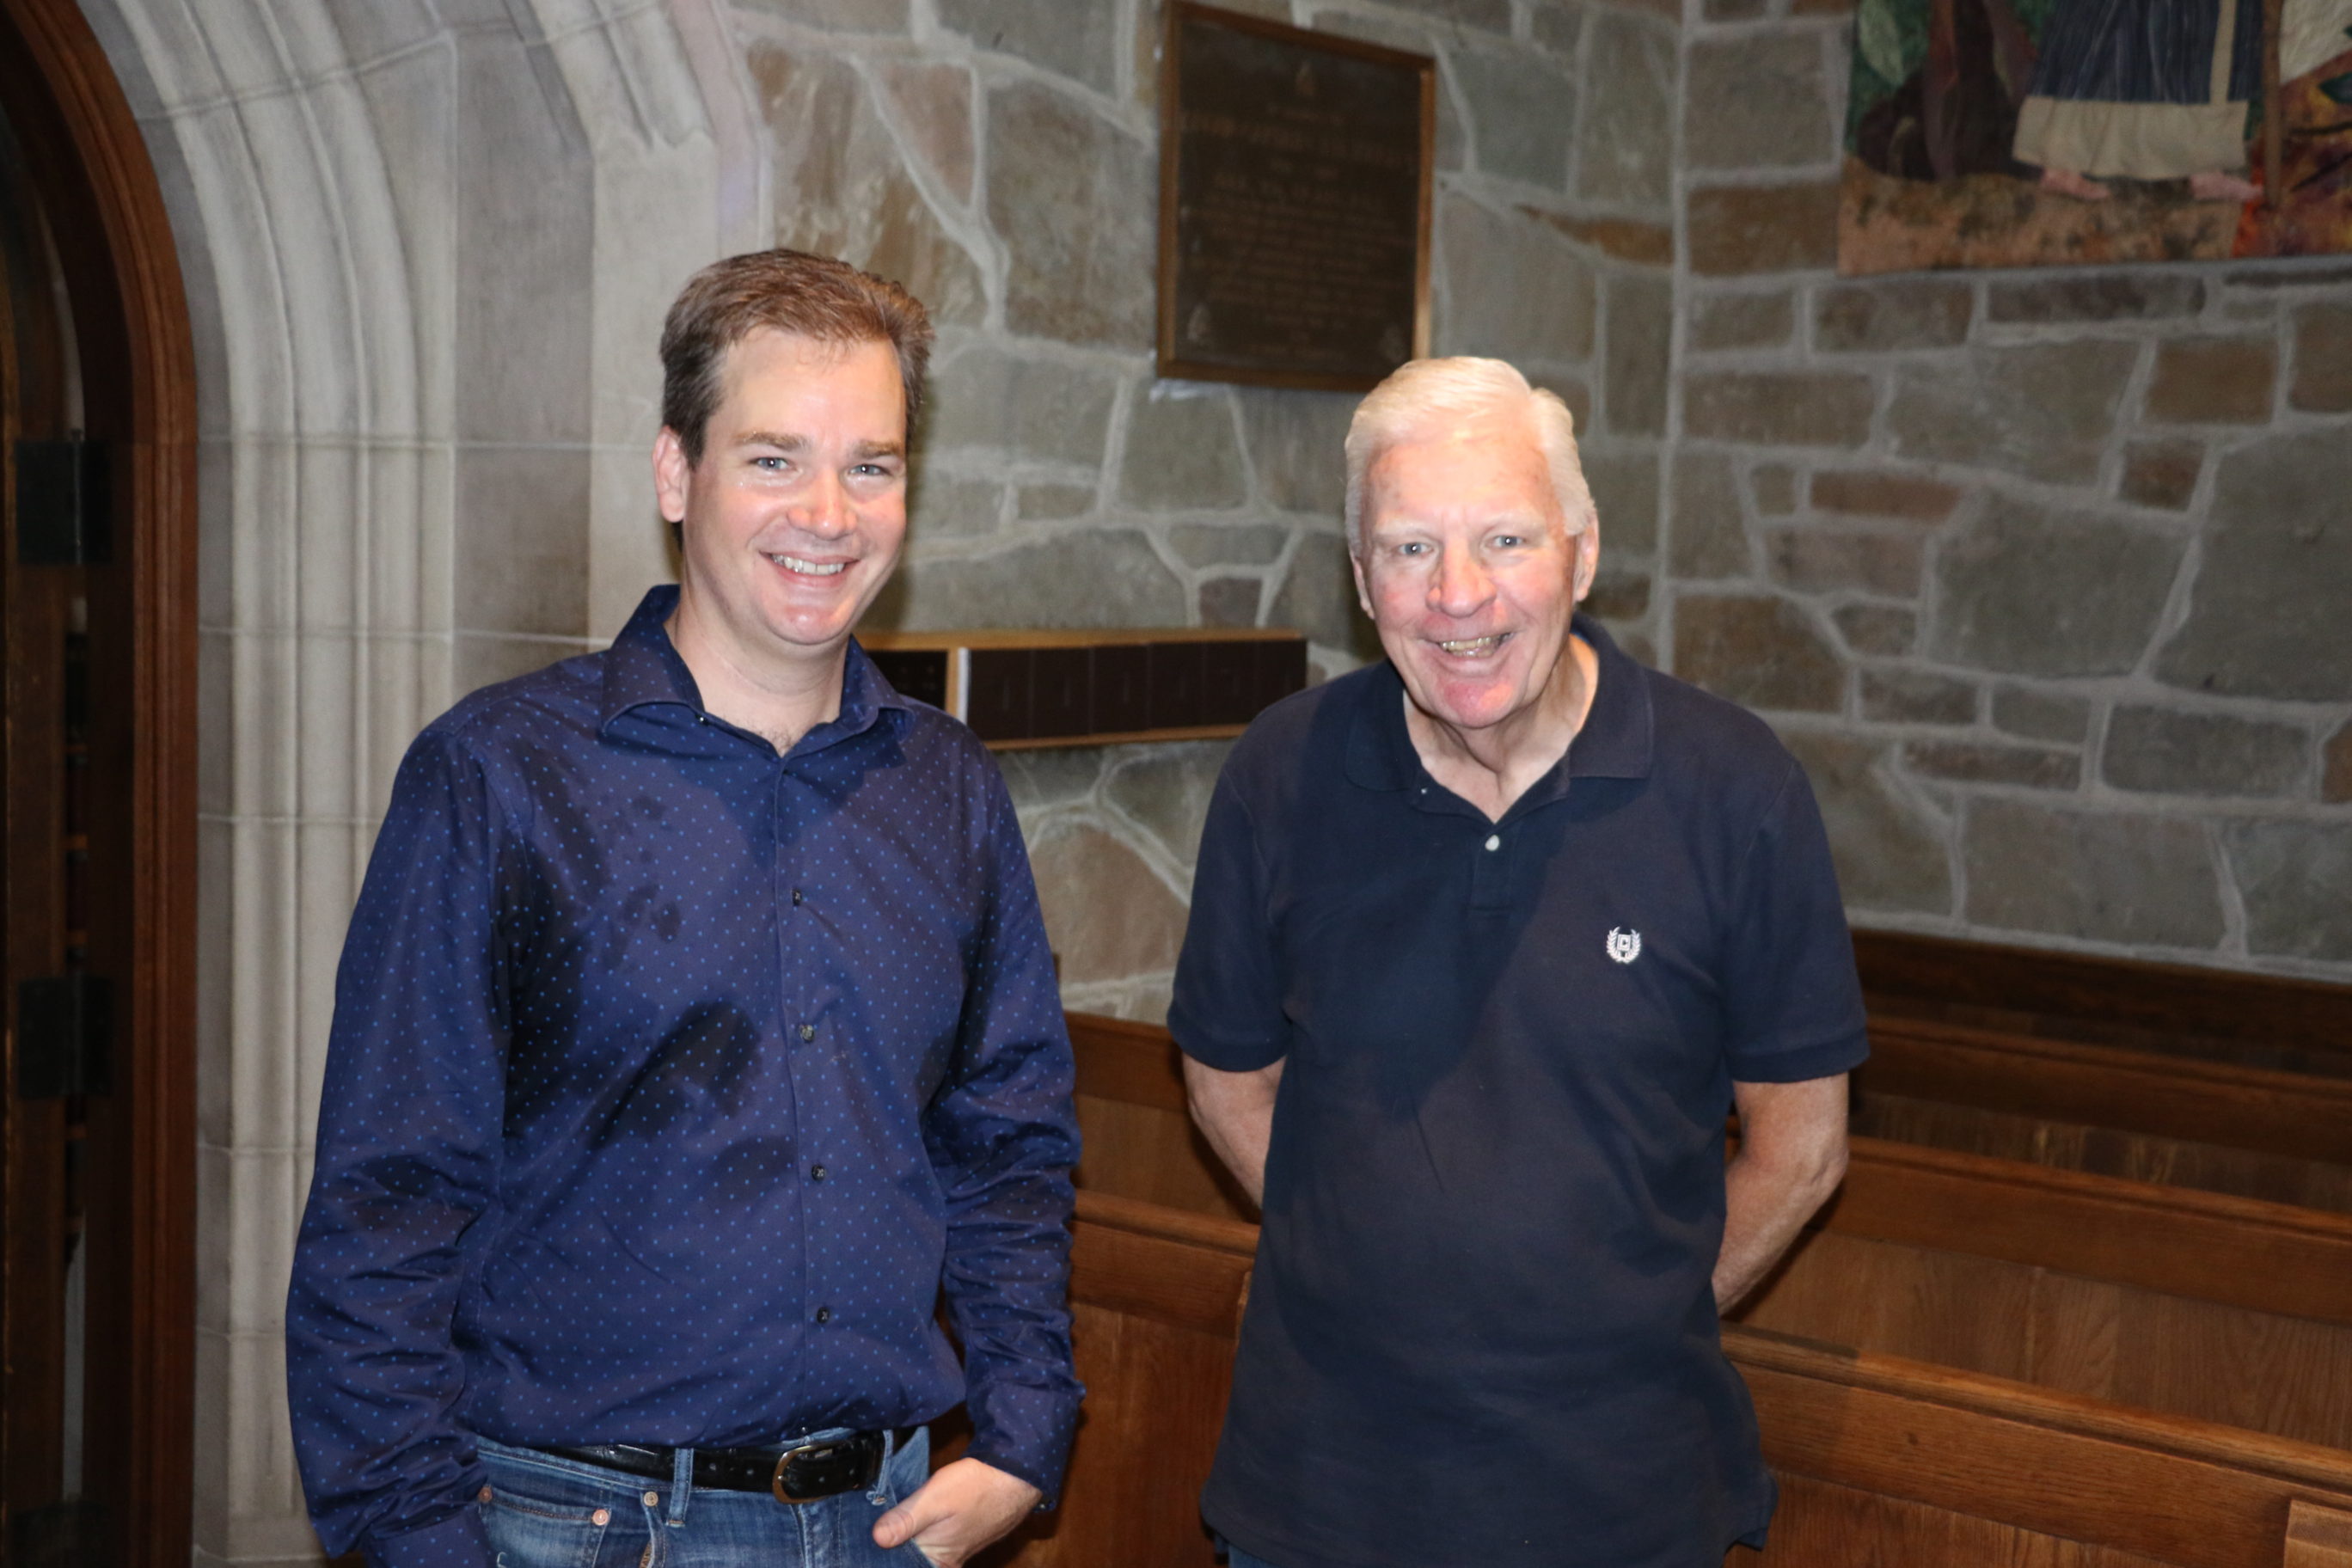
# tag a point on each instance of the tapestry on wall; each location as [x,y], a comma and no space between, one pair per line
[2042,132]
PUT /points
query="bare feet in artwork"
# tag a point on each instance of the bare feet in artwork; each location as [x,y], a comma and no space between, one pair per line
[2220,187]
[2073,183]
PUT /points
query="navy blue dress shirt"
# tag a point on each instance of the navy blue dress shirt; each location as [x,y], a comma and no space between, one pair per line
[1482,1326]
[671,1081]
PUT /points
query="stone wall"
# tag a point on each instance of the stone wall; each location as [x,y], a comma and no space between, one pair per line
[2043,573]
[1001,157]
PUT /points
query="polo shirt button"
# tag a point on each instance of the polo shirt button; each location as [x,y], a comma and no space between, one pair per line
[825,1314]
[808,1031]
[1494,841]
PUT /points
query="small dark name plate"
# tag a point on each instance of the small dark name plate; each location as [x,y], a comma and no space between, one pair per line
[1294,204]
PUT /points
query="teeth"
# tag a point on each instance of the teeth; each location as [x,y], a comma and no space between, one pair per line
[794,563]
[1473,645]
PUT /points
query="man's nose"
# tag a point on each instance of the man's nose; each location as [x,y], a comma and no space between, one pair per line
[823,506]
[1461,585]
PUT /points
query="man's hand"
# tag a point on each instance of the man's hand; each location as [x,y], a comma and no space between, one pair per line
[960,1509]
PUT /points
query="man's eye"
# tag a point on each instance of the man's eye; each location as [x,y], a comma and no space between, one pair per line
[1509,541]
[770,463]
[1414,548]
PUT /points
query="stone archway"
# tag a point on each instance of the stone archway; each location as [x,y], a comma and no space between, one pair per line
[421,379]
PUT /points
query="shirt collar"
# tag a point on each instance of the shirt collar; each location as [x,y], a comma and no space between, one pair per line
[1616,742]
[642,670]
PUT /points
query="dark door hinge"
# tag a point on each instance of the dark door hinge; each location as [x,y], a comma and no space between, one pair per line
[64,503]
[63,1036]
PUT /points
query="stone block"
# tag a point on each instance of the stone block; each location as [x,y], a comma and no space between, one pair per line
[2160,751]
[1236,544]
[2213,381]
[1625,486]
[2296,880]
[1052,775]
[1905,313]
[1080,42]
[1495,16]
[1065,197]
[1514,289]
[2142,295]
[1774,490]
[1557,24]
[2029,591]
[934,104]
[1861,492]
[1877,628]
[1756,101]
[940,505]
[1888,849]
[2041,715]
[1817,560]
[1165,790]
[1978,762]
[2161,474]
[2043,411]
[1742,320]
[1619,595]
[1522,110]
[2336,768]
[1297,447]
[1569,390]
[2267,617]
[1779,408]
[521,538]
[1108,915]
[1709,538]
[1107,577]
[2105,876]
[846,192]
[1626,239]
[1040,410]
[1230,601]
[1762,651]
[1738,230]
[1183,449]
[1624,148]
[1640,332]
[843,15]
[1318,596]
[1916,697]
[2322,360]
[1053,503]
[1732,10]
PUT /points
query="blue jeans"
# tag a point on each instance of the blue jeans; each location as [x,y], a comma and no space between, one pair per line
[1236,1558]
[546,1512]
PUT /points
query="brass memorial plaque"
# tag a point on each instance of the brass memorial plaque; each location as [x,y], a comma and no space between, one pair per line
[1294,204]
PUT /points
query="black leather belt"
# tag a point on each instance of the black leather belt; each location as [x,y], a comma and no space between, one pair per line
[825,1467]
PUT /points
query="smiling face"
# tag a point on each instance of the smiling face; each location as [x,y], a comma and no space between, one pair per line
[795,516]
[1469,574]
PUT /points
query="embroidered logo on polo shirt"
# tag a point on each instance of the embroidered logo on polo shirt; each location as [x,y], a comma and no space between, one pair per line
[1624,946]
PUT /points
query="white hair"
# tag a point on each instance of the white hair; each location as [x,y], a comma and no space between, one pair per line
[1427,393]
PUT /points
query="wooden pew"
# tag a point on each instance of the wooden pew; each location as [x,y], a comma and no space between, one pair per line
[2186,1121]
[1882,1460]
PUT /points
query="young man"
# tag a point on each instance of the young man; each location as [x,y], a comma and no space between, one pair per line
[696,1026]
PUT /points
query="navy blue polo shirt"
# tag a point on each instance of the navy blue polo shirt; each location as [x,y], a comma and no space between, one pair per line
[1482,1327]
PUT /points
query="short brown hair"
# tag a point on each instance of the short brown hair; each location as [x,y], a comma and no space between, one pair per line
[791,291]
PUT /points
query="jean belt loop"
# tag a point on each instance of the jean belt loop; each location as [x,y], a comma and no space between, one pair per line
[681,1483]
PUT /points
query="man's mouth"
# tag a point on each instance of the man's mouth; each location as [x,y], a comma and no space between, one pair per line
[1476,648]
[810,568]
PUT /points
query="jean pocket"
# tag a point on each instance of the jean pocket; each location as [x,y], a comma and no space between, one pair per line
[533,1532]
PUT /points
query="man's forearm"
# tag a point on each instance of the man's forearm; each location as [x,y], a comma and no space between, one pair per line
[1791,1157]
[1234,1111]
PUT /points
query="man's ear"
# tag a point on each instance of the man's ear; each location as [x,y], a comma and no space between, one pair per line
[1363,589]
[673,475]
[1588,557]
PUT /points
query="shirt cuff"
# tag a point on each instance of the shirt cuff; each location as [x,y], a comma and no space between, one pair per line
[456,1542]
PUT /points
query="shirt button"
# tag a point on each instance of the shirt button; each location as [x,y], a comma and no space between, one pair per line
[796,898]
[825,1314]
[816,1172]
[808,1031]
[1494,841]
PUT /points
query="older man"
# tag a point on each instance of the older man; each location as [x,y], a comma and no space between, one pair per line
[1486,942]
[696,1028]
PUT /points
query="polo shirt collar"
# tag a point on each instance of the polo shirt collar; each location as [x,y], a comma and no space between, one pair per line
[1616,742]
[643,672]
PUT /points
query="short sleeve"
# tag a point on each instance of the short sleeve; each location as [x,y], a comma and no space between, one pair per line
[1792,1002]
[1226,1010]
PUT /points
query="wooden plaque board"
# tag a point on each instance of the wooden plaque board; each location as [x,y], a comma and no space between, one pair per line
[1294,204]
